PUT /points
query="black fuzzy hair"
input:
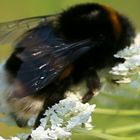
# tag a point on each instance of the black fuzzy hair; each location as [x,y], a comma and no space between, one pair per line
[92,20]
[128,32]
[84,21]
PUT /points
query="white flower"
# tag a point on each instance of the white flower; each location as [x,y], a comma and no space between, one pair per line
[88,124]
[40,134]
[137,40]
[14,138]
[23,136]
[62,118]
[60,133]
[43,122]
[31,121]
[120,69]
[1,138]
[132,61]
[55,120]
[124,80]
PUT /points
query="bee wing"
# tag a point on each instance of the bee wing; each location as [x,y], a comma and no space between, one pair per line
[10,31]
[45,54]
[37,71]
[46,58]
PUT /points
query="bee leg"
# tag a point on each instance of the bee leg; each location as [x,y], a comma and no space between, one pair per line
[93,84]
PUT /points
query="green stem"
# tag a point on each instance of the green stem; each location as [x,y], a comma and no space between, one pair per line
[105,136]
[123,129]
[117,112]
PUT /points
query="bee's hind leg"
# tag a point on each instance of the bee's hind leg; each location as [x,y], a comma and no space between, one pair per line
[93,85]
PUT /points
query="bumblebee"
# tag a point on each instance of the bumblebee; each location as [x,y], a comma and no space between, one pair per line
[53,52]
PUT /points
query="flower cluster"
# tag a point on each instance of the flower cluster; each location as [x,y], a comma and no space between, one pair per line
[62,118]
[12,138]
[132,61]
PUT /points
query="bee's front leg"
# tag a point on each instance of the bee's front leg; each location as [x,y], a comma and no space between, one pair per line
[93,85]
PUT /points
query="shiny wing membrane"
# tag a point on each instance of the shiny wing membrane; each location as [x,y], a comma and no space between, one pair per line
[45,54]
[10,31]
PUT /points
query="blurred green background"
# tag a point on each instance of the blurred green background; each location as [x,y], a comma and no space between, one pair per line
[16,9]
[117,116]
